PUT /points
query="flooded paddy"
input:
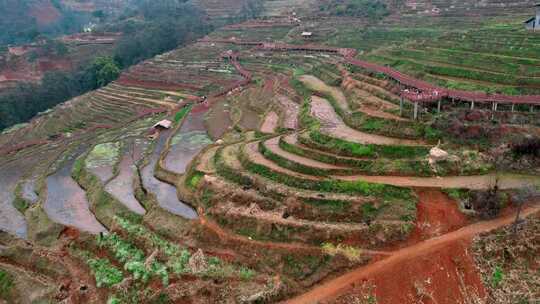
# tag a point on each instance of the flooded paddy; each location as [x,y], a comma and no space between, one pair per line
[188,142]
[121,187]
[102,159]
[11,220]
[66,202]
[28,190]
[165,194]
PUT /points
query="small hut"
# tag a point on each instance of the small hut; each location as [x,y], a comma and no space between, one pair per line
[163,125]
[307,35]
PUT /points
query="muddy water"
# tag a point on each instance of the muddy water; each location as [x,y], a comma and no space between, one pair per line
[121,187]
[189,141]
[28,191]
[165,193]
[103,173]
[101,160]
[11,220]
[66,202]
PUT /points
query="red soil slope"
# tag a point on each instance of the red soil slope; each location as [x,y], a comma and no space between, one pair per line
[439,270]
[44,12]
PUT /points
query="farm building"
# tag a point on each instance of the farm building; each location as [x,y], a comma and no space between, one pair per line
[164,124]
[534,22]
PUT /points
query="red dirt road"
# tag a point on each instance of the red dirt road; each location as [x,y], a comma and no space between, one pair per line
[437,214]
[342,284]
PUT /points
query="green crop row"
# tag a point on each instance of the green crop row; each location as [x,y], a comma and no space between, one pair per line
[457,72]
[182,113]
[327,185]
[289,164]
[347,148]
[379,166]
[133,258]
[105,274]
[178,258]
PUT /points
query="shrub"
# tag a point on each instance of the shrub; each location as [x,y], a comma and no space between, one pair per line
[113,300]
[528,147]
[497,276]
[179,264]
[6,284]
[135,230]
[245,273]
[194,180]
[105,273]
[350,252]
[182,113]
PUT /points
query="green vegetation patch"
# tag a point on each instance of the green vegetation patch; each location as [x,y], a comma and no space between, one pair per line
[133,258]
[105,273]
[336,186]
[347,148]
[376,166]
[176,257]
[182,113]
[6,284]
[194,179]
[106,154]
[292,165]
[192,140]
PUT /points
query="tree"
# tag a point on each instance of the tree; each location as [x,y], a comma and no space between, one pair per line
[107,73]
[98,14]
[102,71]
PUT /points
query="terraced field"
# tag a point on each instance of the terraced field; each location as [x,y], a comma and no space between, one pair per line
[292,171]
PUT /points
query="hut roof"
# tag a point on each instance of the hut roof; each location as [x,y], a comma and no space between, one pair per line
[166,124]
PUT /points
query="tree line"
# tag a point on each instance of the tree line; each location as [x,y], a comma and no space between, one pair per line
[164,26]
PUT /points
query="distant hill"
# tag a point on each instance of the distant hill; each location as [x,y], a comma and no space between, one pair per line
[22,21]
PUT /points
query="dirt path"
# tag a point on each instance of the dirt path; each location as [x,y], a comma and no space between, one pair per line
[477,182]
[337,286]
[206,163]
[252,151]
[318,85]
[290,112]
[374,106]
[370,111]
[273,145]
[334,126]
[270,122]
[437,214]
